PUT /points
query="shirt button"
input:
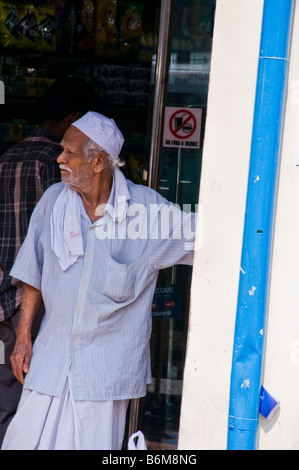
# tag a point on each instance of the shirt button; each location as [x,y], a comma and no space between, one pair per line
[88,255]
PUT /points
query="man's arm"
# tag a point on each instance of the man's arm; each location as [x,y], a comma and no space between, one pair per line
[172,236]
[21,355]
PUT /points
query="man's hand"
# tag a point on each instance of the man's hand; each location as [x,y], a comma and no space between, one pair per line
[20,357]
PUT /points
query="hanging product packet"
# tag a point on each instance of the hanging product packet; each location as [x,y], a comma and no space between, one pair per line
[28,26]
[130,19]
[9,25]
[87,40]
[46,28]
[105,31]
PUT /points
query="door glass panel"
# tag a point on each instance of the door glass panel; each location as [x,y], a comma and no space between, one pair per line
[188,80]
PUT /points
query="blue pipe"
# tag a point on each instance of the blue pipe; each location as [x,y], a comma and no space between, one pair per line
[247,361]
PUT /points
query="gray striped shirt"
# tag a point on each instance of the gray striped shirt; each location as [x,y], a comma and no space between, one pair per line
[97,324]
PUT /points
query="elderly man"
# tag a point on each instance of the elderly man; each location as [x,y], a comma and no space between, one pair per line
[93,251]
[27,169]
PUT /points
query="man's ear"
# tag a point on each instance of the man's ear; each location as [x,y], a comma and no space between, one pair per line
[100,161]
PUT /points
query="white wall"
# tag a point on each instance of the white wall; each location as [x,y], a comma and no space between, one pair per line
[204,413]
[281,367]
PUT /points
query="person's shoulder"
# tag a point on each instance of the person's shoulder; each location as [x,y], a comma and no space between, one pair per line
[144,194]
[47,201]
[54,190]
[51,194]
[11,153]
[36,153]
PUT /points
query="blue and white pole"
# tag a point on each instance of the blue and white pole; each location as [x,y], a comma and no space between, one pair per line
[252,305]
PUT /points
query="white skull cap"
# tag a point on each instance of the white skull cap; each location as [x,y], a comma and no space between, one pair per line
[101,130]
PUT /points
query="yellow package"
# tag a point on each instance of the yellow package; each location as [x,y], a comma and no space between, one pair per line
[86,40]
[27,26]
[46,28]
[88,15]
[9,25]
[136,165]
[130,12]
[105,31]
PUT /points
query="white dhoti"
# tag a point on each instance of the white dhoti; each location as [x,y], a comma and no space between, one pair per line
[43,422]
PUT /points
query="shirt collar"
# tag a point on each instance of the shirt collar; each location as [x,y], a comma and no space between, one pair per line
[117,204]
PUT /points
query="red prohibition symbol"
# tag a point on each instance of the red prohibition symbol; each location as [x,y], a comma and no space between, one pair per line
[182,124]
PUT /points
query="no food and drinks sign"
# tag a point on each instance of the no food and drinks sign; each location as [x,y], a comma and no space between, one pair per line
[182,127]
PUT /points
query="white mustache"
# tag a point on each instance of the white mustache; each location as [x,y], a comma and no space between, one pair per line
[64,167]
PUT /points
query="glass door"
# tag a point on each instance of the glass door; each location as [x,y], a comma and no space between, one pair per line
[174,171]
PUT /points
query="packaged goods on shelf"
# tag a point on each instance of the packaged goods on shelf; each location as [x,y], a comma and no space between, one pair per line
[101,28]
[114,71]
[9,25]
[10,60]
[115,84]
[141,73]
[24,92]
[119,86]
[74,24]
[119,31]
[138,86]
[25,26]
[22,82]
[139,99]
[117,97]
[46,28]
[130,18]
[105,30]
[13,132]
[86,33]
[28,26]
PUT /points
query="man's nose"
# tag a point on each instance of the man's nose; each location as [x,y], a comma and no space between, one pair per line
[61,157]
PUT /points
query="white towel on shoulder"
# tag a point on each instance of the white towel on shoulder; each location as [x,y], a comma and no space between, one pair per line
[66,233]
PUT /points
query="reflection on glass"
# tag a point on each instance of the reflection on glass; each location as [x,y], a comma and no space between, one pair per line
[189,70]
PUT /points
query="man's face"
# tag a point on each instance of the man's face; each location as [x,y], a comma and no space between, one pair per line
[74,167]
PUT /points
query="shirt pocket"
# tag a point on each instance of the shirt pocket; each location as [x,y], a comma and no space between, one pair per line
[119,284]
